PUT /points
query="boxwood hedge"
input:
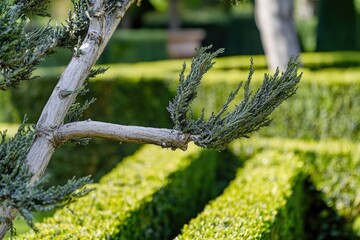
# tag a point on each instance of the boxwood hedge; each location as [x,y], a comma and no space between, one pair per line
[149,195]
[333,166]
[265,201]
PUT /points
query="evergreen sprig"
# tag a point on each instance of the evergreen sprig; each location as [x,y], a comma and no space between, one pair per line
[76,110]
[15,190]
[250,115]
[21,51]
[37,7]
[77,23]
[179,108]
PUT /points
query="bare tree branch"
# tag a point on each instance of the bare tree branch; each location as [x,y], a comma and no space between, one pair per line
[165,138]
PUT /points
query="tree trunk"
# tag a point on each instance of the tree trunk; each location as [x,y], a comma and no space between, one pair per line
[175,21]
[274,19]
[100,30]
[305,9]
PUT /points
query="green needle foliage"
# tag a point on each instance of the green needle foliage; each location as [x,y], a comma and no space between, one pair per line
[251,114]
[179,108]
[15,193]
[21,51]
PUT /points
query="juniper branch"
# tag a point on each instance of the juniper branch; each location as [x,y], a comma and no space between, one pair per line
[37,7]
[21,51]
[179,108]
[15,193]
[251,114]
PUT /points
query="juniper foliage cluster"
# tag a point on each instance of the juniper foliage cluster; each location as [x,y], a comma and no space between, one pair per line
[21,51]
[15,193]
[180,108]
[251,114]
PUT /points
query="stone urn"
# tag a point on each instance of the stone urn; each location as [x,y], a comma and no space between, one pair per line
[182,42]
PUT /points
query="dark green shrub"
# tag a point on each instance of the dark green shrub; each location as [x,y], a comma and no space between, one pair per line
[219,22]
[135,45]
[337,26]
[8,112]
[306,29]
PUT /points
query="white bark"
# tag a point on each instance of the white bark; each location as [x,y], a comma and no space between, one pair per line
[274,19]
[165,138]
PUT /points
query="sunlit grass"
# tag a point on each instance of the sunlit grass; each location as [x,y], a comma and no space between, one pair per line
[21,226]
[10,129]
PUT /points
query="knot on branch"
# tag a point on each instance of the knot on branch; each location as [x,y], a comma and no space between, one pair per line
[180,141]
[251,114]
[95,36]
[48,134]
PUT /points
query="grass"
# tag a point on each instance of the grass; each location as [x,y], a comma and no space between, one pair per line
[20,226]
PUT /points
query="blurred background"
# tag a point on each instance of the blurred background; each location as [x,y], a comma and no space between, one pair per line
[320,25]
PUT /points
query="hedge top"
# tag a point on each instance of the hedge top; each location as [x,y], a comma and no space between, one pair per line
[249,205]
[128,186]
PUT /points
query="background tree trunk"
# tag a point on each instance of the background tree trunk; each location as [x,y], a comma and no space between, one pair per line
[274,19]
[305,9]
[175,21]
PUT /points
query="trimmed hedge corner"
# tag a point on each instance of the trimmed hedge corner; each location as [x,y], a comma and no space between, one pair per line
[333,167]
[263,202]
[149,195]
